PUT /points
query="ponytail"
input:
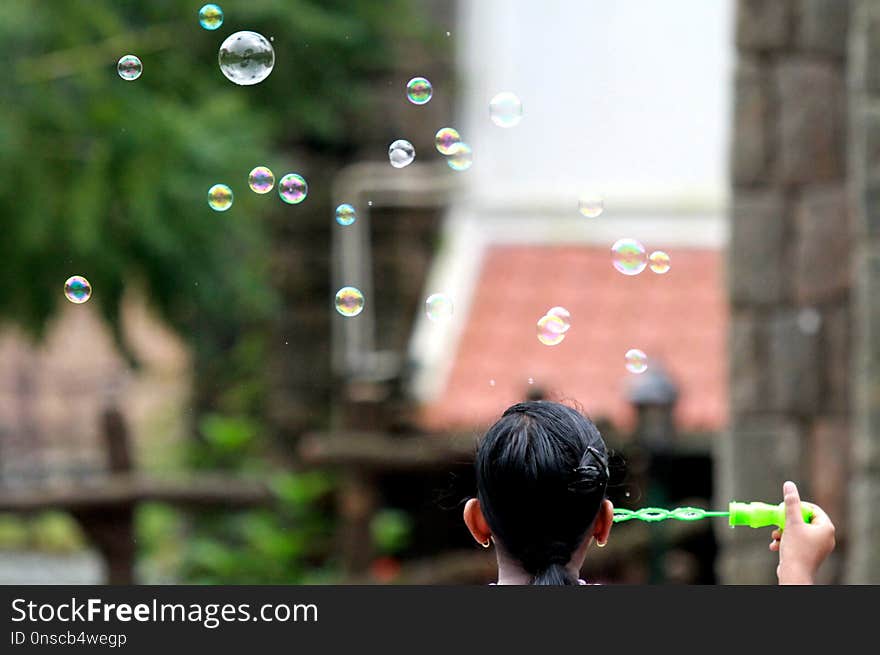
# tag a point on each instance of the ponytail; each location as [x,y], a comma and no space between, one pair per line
[554,574]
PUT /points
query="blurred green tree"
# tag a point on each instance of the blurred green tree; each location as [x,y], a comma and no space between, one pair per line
[107,178]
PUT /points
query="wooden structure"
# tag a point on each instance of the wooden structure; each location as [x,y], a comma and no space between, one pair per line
[104,504]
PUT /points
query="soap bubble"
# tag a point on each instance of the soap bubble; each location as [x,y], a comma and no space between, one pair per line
[220,197]
[401,153]
[551,330]
[505,109]
[636,361]
[129,67]
[419,90]
[345,214]
[445,139]
[628,256]
[261,180]
[809,320]
[591,205]
[77,289]
[461,157]
[210,17]
[531,380]
[562,314]
[246,58]
[491,383]
[293,188]
[659,262]
[349,301]
[438,307]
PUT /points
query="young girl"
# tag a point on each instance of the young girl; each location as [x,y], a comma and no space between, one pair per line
[542,474]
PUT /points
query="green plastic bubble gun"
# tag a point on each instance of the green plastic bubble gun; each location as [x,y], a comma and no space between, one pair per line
[755,515]
[760,515]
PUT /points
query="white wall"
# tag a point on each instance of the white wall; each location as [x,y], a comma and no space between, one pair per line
[628,96]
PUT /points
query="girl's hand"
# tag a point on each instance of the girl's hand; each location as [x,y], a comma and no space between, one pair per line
[802,546]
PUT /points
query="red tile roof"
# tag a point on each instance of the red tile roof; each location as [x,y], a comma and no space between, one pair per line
[679,319]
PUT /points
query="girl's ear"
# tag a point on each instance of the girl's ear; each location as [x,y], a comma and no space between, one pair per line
[604,521]
[476,522]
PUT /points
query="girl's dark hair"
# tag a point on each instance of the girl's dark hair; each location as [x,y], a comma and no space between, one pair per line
[542,473]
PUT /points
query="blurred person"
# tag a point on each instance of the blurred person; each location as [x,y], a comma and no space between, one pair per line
[542,475]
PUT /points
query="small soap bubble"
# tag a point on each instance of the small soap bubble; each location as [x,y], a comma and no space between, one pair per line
[460,157]
[261,180]
[659,261]
[293,188]
[345,214]
[401,153]
[636,361]
[562,314]
[220,197]
[491,383]
[551,330]
[210,17]
[419,90]
[369,203]
[809,320]
[445,139]
[77,289]
[129,67]
[628,256]
[349,301]
[531,380]
[505,109]
[591,205]
[246,58]
[438,307]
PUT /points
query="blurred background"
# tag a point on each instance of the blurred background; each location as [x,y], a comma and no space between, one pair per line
[209,417]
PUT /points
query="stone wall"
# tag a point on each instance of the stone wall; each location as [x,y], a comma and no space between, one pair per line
[863,561]
[789,274]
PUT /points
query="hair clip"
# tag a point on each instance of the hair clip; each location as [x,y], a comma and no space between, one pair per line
[589,476]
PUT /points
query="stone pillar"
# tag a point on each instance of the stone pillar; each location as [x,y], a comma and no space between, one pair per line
[863,562]
[788,272]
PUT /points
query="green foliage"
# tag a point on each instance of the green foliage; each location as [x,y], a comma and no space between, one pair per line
[391,530]
[108,178]
[285,544]
[48,532]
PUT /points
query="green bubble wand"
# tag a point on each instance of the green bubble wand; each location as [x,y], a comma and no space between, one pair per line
[755,515]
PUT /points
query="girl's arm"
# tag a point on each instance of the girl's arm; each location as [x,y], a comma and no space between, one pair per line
[802,546]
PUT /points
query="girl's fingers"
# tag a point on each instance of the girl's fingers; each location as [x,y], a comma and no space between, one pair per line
[774,546]
[776,535]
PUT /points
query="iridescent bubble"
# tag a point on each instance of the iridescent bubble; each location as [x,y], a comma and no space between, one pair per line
[219,197]
[531,380]
[261,180]
[293,188]
[460,157]
[628,256]
[505,109]
[419,90]
[246,58]
[401,153]
[562,314]
[445,139]
[129,67]
[438,307]
[345,214]
[349,301]
[659,261]
[77,289]
[210,17]
[591,205]
[636,361]
[491,383]
[551,330]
